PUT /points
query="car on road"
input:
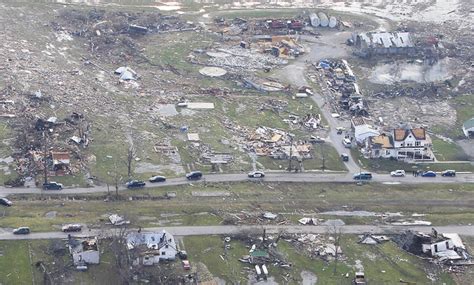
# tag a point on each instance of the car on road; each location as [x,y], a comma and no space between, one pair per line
[157,178]
[398,173]
[135,184]
[194,175]
[71,228]
[345,157]
[428,174]
[339,130]
[52,186]
[5,202]
[256,174]
[347,143]
[448,173]
[21,231]
[362,176]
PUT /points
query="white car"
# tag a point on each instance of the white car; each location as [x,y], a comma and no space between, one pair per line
[256,174]
[398,173]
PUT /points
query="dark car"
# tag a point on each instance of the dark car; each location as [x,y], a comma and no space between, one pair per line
[256,174]
[362,176]
[5,202]
[448,173]
[194,175]
[157,179]
[428,174]
[21,231]
[71,228]
[52,186]
[135,184]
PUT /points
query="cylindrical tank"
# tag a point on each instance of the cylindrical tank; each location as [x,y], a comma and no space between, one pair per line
[332,22]
[314,19]
[323,19]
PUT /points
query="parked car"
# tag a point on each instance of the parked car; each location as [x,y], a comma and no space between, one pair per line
[340,130]
[186,265]
[135,184]
[428,174]
[345,157]
[52,186]
[157,179]
[72,228]
[21,231]
[448,173]
[316,139]
[362,176]
[194,175]
[5,202]
[398,173]
[256,174]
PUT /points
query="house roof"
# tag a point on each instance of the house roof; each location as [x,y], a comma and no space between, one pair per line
[468,124]
[387,40]
[61,157]
[383,140]
[358,121]
[155,240]
[402,134]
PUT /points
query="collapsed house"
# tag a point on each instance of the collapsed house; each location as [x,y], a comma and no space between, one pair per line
[408,144]
[443,247]
[382,43]
[150,248]
[468,128]
[84,251]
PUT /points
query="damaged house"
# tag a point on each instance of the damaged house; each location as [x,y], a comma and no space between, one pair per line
[362,130]
[150,248]
[382,43]
[84,251]
[409,144]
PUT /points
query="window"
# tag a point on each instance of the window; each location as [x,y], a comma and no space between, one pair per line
[163,253]
[387,152]
[447,244]
[417,143]
[436,248]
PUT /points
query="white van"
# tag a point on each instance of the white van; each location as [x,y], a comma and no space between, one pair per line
[347,143]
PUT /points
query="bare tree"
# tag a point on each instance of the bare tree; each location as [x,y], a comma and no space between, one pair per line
[119,249]
[131,154]
[335,231]
[115,178]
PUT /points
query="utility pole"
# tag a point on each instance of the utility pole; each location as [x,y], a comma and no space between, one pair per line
[323,167]
[291,154]
[45,153]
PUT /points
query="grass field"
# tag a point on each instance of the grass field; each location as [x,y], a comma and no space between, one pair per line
[383,264]
[442,203]
[449,151]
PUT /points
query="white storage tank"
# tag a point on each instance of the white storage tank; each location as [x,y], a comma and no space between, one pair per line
[323,19]
[314,19]
[332,22]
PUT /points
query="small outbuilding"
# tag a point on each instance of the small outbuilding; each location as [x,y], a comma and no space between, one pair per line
[468,128]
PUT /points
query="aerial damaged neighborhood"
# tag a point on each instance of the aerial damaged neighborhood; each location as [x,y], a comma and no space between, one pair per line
[237,142]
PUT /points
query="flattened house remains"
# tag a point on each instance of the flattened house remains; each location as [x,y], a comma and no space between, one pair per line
[382,43]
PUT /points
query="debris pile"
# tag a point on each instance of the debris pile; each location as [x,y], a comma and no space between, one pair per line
[444,249]
[316,246]
[113,33]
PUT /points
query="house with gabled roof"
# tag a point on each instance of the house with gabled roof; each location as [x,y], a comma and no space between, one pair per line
[409,144]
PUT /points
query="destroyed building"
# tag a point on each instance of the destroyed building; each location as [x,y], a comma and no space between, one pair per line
[84,251]
[362,130]
[151,248]
[382,43]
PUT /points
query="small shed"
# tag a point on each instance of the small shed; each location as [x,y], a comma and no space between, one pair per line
[468,128]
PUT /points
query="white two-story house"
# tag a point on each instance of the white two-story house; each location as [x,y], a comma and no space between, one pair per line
[412,144]
[402,144]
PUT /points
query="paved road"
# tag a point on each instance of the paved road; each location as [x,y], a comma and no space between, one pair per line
[229,230]
[306,177]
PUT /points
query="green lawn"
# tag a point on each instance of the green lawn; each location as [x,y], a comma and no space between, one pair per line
[449,151]
[15,263]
